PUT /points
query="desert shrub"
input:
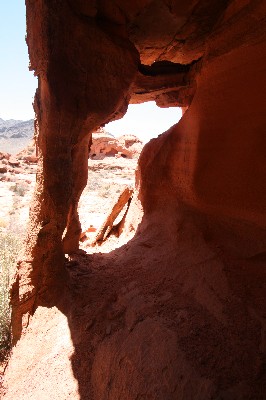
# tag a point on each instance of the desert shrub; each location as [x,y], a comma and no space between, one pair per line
[19,189]
[105,190]
[9,245]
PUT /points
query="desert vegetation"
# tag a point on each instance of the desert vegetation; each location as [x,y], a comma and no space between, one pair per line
[9,245]
[16,187]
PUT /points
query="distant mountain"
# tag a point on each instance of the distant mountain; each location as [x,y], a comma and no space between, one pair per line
[15,134]
[16,129]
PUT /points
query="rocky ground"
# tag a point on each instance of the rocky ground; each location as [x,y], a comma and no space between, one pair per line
[17,179]
[107,178]
[143,309]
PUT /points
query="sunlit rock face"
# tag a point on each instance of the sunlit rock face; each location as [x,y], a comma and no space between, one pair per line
[106,145]
[193,274]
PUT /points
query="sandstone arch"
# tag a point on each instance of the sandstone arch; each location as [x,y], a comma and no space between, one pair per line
[201,184]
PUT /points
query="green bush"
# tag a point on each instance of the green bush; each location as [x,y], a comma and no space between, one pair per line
[9,246]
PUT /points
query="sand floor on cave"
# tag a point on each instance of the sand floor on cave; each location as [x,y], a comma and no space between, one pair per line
[119,299]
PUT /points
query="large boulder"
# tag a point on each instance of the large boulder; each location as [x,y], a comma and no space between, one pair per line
[106,145]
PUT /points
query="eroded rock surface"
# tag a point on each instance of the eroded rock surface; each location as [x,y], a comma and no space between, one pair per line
[191,281]
[105,145]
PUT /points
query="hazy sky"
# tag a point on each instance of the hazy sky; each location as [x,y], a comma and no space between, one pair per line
[18,84]
[145,120]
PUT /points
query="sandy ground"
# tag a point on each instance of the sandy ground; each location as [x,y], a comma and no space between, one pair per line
[146,320]
[15,197]
[106,179]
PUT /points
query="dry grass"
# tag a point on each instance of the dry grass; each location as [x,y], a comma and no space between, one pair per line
[19,188]
[9,245]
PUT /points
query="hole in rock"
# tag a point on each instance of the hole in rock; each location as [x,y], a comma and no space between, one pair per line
[146,121]
[112,163]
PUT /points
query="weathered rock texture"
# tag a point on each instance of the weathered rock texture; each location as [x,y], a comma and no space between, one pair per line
[178,312]
[105,145]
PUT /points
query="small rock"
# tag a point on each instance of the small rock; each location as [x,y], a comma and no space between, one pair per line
[5,156]
[91,229]
[13,162]
[31,159]
[5,179]
[3,169]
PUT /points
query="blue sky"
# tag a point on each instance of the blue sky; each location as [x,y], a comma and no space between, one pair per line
[18,84]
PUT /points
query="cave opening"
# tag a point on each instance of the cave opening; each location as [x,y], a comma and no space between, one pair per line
[145,120]
[112,163]
[179,310]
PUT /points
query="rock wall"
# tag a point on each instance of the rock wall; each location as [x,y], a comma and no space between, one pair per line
[71,101]
[197,255]
[214,158]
